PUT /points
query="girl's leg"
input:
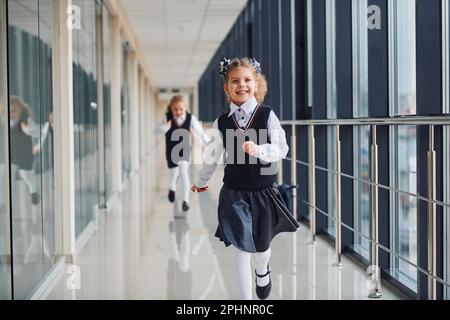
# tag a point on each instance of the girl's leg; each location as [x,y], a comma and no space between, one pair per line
[173,176]
[242,263]
[185,180]
[261,261]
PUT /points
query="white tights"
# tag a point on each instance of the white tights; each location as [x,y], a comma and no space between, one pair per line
[242,263]
[183,170]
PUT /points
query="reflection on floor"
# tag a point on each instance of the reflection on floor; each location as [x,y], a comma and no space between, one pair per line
[147,248]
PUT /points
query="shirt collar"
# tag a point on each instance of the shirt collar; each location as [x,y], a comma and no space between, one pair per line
[248,107]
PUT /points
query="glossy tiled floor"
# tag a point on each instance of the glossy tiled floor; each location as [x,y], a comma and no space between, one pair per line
[146,248]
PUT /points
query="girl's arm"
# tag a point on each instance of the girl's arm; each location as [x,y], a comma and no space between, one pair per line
[162,127]
[278,148]
[213,155]
[198,131]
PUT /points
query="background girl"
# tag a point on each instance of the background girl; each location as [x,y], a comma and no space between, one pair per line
[177,118]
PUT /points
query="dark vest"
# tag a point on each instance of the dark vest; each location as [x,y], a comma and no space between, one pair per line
[246,175]
[21,148]
[182,142]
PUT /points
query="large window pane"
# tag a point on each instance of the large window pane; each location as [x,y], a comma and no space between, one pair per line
[402,83]
[361,136]
[331,133]
[85,116]
[404,222]
[331,108]
[107,101]
[30,74]
[362,191]
[5,252]
[331,58]
[403,57]
[125,111]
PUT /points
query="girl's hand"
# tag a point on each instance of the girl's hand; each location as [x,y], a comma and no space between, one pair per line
[169,124]
[251,148]
[194,188]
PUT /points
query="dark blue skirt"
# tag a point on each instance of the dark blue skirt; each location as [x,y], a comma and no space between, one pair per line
[249,220]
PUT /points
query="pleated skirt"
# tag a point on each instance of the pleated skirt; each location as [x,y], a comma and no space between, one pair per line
[249,220]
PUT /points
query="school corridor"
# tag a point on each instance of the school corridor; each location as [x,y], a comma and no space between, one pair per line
[361,89]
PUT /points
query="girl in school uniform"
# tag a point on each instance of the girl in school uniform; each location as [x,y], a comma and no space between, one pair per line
[251,211]
[177,125]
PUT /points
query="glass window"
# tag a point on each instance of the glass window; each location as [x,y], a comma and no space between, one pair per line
[404,222]
[362,133]
[331,108]
[107,100]
[403,57]
[310,51]
[362,191]
[331,133]
[331,58]
[402,83]
[31,106]
[85,116]
[5,252]
[125,109]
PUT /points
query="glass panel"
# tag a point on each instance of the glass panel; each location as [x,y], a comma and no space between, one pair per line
[331,132]
[310,51]
[85,116]
[107,101]
[361,137]
[125,108]
[362,191]
[331,58]
[404,59]
[30,74]
[405,207]
[5,252]
[360,61]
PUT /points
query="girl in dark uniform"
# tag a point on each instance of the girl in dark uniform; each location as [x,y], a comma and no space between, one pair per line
[176,126]
[251,210]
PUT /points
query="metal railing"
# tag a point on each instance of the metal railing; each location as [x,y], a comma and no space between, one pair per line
[432,202]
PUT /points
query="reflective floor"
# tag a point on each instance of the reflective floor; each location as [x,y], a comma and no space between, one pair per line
[146,248]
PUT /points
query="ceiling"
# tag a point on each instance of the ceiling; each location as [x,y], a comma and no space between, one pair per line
[179,37]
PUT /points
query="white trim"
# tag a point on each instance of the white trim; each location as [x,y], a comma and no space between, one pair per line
[64,128]
[50,281]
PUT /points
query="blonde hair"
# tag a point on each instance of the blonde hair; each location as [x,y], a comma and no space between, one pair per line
[175,99]
[259,78]
[19,105]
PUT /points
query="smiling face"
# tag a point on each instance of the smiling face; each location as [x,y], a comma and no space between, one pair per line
[241,85]
[178,109]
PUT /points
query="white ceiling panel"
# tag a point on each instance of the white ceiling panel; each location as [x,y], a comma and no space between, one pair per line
[179,37]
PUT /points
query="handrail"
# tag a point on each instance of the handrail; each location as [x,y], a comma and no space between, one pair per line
[431,122]
[378,244]
[398,120]
[382,186]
